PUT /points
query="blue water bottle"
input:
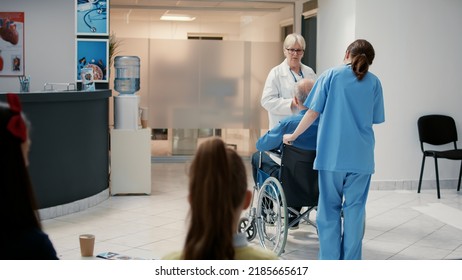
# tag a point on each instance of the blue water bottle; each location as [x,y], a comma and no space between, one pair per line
[127,78]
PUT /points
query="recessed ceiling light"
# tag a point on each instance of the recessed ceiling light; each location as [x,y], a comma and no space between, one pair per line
[176,17]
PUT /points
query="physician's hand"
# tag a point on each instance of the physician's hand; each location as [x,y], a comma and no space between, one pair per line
[287,139]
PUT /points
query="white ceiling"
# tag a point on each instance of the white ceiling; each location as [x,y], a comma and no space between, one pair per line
[205,10]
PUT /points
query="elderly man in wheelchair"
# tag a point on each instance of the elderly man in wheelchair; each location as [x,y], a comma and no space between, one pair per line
[285,181]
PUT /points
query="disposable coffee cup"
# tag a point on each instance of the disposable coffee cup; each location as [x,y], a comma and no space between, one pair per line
[144,123]
[87,244]
[144,117]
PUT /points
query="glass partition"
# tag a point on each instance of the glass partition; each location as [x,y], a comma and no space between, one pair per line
[195,89]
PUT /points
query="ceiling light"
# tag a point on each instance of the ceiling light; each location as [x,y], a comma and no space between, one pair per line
[177,17]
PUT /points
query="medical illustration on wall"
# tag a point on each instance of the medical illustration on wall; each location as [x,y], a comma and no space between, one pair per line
[92,53]
[11,43]
[92,17]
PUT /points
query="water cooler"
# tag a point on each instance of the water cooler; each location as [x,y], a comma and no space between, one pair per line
[130,144]
[127,83]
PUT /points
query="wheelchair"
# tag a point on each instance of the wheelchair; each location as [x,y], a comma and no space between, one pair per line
[277,199]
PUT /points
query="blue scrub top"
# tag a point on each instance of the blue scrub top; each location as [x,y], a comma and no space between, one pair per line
[348,108]
[273,138]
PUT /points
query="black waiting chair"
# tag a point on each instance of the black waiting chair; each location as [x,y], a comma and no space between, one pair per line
[438,130]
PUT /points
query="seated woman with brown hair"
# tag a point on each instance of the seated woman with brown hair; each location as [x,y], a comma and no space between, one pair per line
[217,195]
[21,235]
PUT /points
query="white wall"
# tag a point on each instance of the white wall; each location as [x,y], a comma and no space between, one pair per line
[336,29]
[49,42]
[418,57]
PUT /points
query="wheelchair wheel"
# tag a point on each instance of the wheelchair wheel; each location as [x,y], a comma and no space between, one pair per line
[248,227]
[272,216]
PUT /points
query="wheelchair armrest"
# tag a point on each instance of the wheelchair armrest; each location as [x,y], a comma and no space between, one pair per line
[275,152]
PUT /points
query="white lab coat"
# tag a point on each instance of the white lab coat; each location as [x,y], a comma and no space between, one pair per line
[279,89]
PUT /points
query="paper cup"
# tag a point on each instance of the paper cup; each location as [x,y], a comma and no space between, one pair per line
[87,244]
[144,117]
[144,123]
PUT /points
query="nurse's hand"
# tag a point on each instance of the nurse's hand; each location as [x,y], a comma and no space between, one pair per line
[288,139]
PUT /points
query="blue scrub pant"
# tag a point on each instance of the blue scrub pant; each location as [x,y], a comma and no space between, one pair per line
[347,192]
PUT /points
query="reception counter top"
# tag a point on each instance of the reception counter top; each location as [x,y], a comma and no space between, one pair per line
[69,155]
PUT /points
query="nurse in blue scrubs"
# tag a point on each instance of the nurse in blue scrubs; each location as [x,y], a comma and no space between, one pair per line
[348,100]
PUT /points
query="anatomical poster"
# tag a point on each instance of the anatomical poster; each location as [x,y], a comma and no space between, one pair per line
[92,17]
[11,43]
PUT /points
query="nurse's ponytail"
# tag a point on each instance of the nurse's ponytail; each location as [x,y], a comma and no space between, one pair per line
[362,54]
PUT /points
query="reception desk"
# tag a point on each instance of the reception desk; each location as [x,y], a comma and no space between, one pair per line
[69,155]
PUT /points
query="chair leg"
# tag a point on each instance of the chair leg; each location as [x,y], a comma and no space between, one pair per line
[460,175]
[421,174]
[437,179]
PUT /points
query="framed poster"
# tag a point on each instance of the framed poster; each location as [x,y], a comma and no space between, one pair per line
[92,17]
[11,43]
[92,53]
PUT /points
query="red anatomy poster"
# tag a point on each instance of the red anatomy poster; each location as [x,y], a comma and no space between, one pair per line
[11,43]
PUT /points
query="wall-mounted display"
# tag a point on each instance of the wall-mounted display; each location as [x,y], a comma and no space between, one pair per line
[92,17]
[11,43]
[93,53]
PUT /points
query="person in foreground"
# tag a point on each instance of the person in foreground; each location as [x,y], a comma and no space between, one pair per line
[349,101]
[217,195]
[22,236]
[272,140]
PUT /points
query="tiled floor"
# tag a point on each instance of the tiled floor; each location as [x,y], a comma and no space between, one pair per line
[401,224]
